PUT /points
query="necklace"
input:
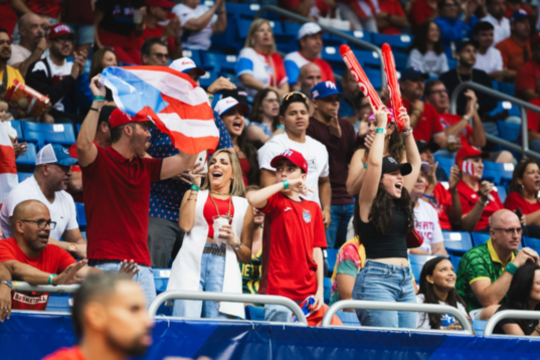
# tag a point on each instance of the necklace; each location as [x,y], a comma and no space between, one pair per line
[228,216]
[459,76]
[219,193]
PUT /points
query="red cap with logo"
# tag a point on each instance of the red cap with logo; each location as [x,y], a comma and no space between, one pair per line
[293,156]
[119,118]
[59,30]
[467,151]
[160,3]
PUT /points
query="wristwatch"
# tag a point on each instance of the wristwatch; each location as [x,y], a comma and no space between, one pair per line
[238,247]
[8,283]
[72,247]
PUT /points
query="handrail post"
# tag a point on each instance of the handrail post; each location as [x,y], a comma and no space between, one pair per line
[62,289]
[393,306]
[524,129]
[505,314]
[338,33]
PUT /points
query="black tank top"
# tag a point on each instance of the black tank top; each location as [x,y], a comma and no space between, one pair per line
[391,244]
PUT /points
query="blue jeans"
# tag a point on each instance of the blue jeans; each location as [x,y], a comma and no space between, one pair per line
[212,274]
[384,282]
[277,313]
[336,234]
[145,277]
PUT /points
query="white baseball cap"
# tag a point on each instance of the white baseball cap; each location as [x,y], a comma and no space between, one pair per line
[54,154]
[309,28]
[185,64]
[227,104]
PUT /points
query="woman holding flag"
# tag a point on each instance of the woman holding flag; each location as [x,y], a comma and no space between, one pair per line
[478,200]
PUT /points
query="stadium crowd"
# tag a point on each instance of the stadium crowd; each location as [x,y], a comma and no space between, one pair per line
[303,163]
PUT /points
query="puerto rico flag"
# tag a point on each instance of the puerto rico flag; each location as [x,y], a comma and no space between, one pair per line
[170,99]
[467,167]
[8,169]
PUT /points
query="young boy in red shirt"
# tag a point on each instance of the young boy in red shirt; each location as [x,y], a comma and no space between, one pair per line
[293,237]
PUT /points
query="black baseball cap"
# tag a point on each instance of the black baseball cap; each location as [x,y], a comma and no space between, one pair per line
[461,45]
[240,94]
[413,74]
[390,164]
[423,146]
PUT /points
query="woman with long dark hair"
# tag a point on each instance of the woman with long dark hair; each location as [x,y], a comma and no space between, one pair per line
[437,286]
[233,115]
[264,117]
[523,294]
[426,52]
[386,216]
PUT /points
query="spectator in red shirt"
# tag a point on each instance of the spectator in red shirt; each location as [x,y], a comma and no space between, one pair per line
[30,258]
[293,238]
[310,46]
[126,331]
[117,189]
[79,15]
[391,18]
[32,45]
[516,50]
[48,10]
[533,124]
[478,200]
[154,52]
[424,119]
[422,11]
[523,195]
[527,76]
[157,12]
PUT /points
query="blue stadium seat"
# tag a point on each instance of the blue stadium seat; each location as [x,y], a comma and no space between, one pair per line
[16,124]
[327,289]
[291,29]
[507,88]
[359,34]
[501,190]
[532,243]
[479,326]
[246,11]
[194,55]
[28,159]
[495,85]
[366,57]
[331,257]
[499,173]
[445,163]
[374,76]
[42,134]
[83,233]
[254,313]
[417,263]
[348,318]
[331,54]
[277,29]
[23,176]
[219,62]
[452,64]
[161,279]
[457,243]
[455,261]
[207,79]
[81,214]
[59,303]
[480,238]
[401,60]
[513,110]
[395,41]
[508,131]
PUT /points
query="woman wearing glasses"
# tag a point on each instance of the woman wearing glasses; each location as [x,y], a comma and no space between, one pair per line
[264,117]
[218,222]
[259,64]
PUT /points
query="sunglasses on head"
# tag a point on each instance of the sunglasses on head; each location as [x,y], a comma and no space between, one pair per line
[292,95]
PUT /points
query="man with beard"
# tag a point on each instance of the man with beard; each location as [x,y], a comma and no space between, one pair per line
[32,45]
[116,182]
[54,76]
[7,73]
[110,318]
[48,185]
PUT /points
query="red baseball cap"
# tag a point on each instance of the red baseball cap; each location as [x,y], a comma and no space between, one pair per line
[293,156]
[467,151]
[119,118]
[161,3]
[59,30]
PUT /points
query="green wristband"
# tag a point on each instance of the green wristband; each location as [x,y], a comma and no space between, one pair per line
[51,277]
[365,165]
[511,268]
[285,184]
[380,131]
[280,127]
[194,187]
[99,98]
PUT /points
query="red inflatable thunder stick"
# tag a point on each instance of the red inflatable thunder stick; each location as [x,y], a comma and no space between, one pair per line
[360,76]
[393,86]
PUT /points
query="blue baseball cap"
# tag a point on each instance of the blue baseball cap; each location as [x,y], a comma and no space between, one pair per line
[518,16]
[54,154]
[412,74]
[324,89]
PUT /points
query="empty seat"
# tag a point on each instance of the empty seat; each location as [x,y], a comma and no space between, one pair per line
[532,243]
[29,158]
[42,134]
[366,57]
[81,214]
[401,60]
[480,238]
[161,279]
[16,124]
[499,173]
[348,318]
[507,88]
[194,55]
[207,79]
[417,263]
[457,243]
[455,261]
[246,11]
[331,257]
[479,326]
[331,54]
[508,131]
[254,313]
[219,62]
[23,176]
[374,76]
[395,41]
[59,303]
[327,289]
[501,190]
[291,29]
[445,163]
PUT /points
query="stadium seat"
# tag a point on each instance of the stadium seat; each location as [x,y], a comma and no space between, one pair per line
[532,243]
[457,243]
[401,60]
[245,11]
[83,233]
[501,190]
[445,163]
[331,257]
[42,134]
[219,62]
[16,124]
[327,289]
[512,109]
[499,173]
[480,238]
[348,318]
[29,158]
[455,261]
[395,41]
[374,76]
[359,34]
[368,58]
[331,54]
[23,176]
[277,29]
[508,131]
[59,303]
[479,326]
[161,279]
[507,88]
[194,55]
[291,29]
[81,214]
[452,64]
[254,313]
[417,263]
[207,79]
[495,85]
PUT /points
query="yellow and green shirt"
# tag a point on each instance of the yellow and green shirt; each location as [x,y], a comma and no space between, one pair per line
[252,274]
[479,263]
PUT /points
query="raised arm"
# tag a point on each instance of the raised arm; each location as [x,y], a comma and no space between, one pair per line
[5,293]
[198,24]
[469,220]
[413,156]
[177,164]
[259,198]
[221,24]
[454,213]
[86,149]
[189,201]
[356,172]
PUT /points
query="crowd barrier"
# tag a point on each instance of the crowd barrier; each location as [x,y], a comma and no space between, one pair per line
[505,314]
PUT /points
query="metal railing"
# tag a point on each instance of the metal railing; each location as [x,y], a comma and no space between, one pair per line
[524,106]
[392,306]
[227,297]
[330,30]
[505,314]
[24,286]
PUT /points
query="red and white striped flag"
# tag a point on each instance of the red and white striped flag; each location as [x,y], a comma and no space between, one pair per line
[8,169]
[467,167]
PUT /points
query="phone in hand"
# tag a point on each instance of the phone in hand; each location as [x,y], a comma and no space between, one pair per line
[519,213]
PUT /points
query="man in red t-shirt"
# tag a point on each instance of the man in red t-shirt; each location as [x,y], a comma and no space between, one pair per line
[391,20]
[28,256]
[424,118]
[157,13]
[528,75]
[421,11]
[293,238]
[110,318]
[116,184]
